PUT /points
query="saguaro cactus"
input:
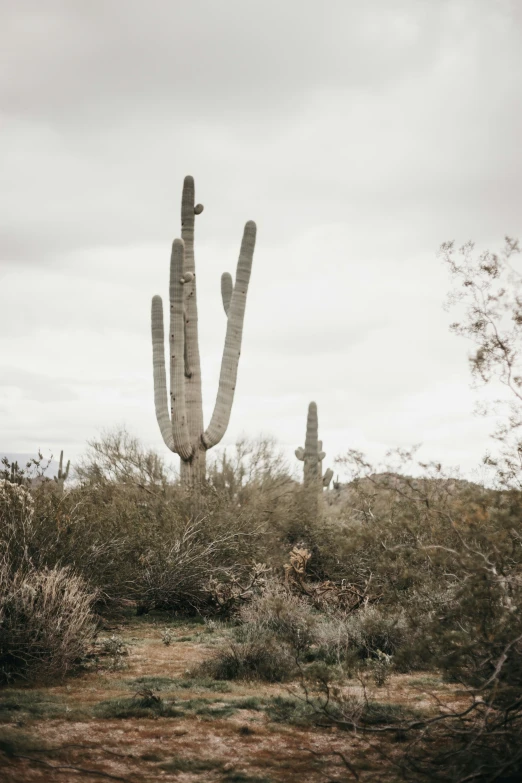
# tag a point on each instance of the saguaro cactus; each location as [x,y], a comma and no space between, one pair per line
[183,430]
[312,455]
[62,474]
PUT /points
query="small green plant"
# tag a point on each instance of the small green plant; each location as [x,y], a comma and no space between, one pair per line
[147,697]
[167,637]
[204,683]
[16,703]
[156,683]
[114,648]
[380,667]
[144,704]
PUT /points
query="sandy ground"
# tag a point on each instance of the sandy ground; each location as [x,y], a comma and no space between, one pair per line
[245,746]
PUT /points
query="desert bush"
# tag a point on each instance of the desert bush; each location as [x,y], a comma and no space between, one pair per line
[181,572]
[16,522]
[279,612]
[254,657]
[131,541]
[374,629]
[334,643]
[46,621]
[119,457]
[15,502]
[445,559]
[362,638]
[254,467]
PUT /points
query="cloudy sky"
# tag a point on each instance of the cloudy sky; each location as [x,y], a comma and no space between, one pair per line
[359,137]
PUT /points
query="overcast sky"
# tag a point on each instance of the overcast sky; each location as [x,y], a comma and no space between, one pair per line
[359,137]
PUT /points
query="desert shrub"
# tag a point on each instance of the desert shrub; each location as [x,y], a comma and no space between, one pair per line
[334,643]
[181,570]
[295,521]
[361,638]
[87,529]
[15,502]
[277,611]
[46,622]
[16,521]
[118,457]
[228,595]
[373,628]
[133,533]
[445,562]
[253,470]
[261,658]
[130,539]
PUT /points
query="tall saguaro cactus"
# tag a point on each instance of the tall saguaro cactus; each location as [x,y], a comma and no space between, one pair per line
[183,429]
[312,455]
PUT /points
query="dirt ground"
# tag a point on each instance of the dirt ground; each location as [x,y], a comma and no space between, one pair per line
[81,729]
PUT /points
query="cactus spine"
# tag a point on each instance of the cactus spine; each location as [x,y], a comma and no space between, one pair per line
[312,455]
[183,429]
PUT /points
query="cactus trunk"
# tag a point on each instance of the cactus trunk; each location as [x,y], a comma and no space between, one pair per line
[183,429]
[312,455]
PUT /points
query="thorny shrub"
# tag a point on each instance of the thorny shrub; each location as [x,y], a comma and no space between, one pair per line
[251,656]
[46,621]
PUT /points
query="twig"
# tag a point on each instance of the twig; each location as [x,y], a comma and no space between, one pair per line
[335,753]
[60,767]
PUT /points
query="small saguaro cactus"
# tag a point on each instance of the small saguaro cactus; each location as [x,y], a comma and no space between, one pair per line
[183,430]
[62,474]
[312,455]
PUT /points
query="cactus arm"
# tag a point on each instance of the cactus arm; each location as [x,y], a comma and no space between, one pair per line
[328,476]
[228,376]
[58,477]
[160,378]
[188,213]
[61,478]
[180,430]
[62,474]
[299,453]
[226,290]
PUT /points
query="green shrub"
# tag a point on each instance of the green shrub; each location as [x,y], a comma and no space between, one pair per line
[260,658]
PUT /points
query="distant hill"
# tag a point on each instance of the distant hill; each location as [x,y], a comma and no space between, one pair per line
[383,489]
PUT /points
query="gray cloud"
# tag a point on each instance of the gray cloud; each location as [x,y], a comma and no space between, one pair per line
[358,136]
[36,386]
[289,113]
[68,58]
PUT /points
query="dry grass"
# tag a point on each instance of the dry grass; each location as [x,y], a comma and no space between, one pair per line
[46,622]
[210,734]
